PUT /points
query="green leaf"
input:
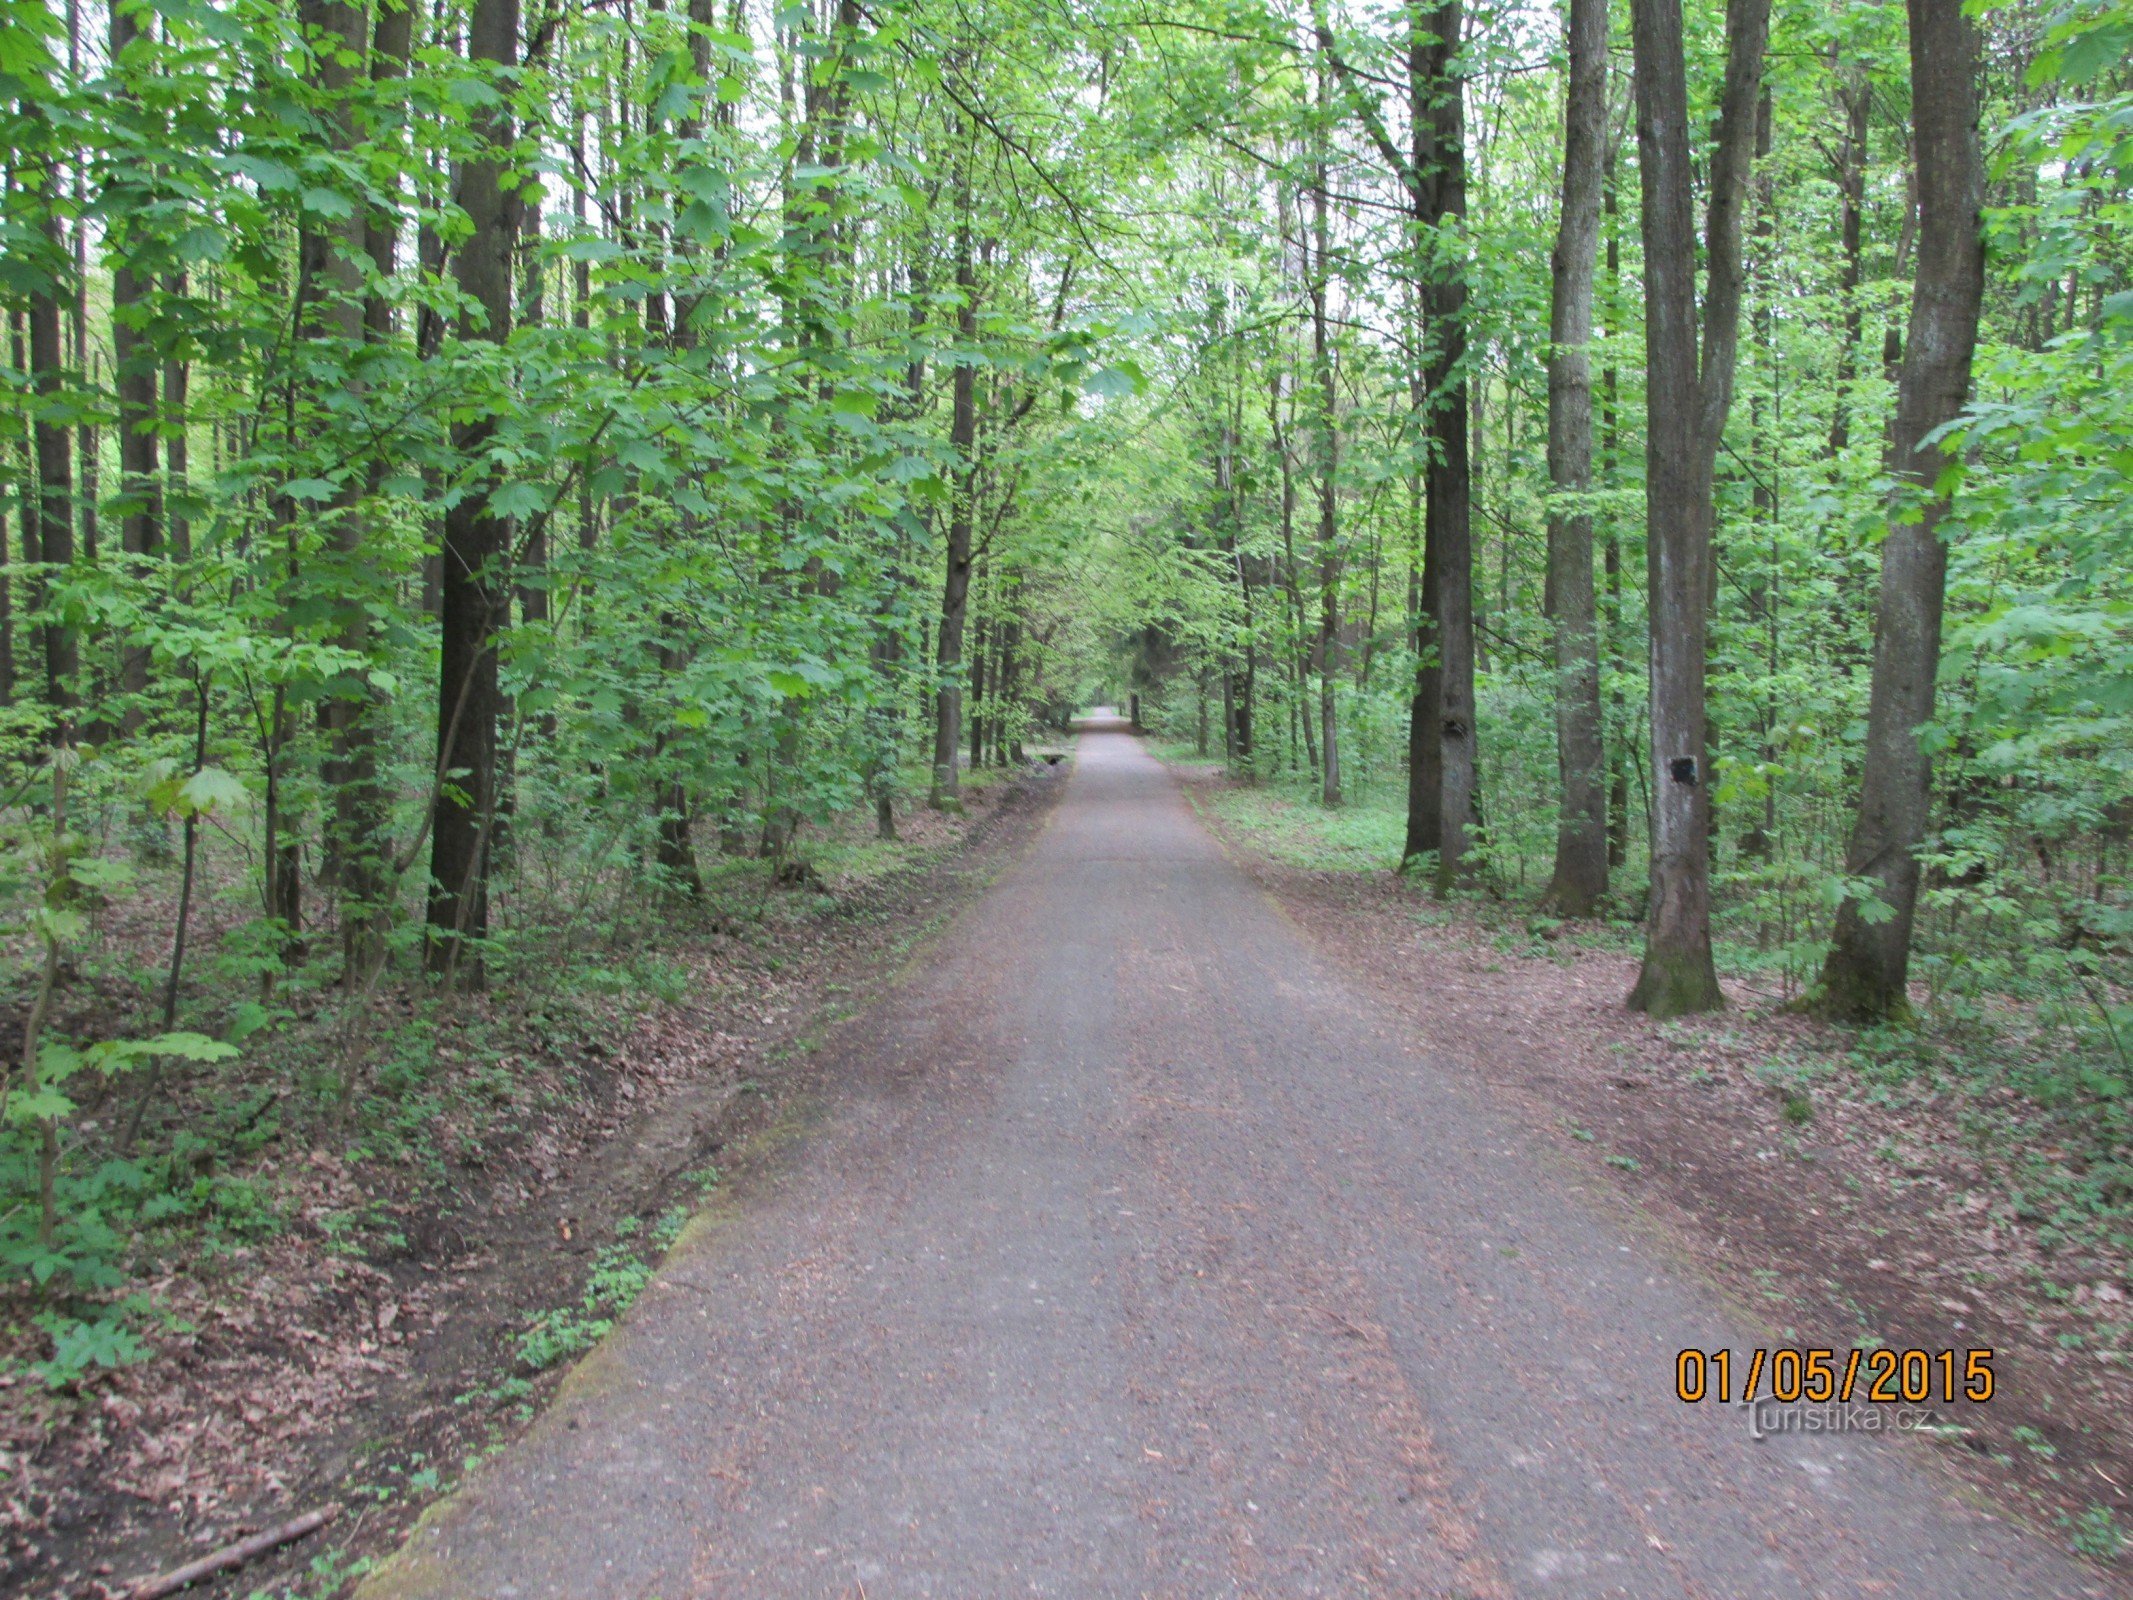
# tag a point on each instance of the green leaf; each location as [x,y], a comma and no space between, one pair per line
[61,925]
[210,790]
[330,203]
[188,1047]
[520,499]
[100,872]
[1115,382]
[25,1109]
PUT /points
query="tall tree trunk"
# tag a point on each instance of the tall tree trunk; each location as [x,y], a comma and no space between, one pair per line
[48,508]
[475,588]
[1329,444]
[1855,98]
[1009,751]
[1442,794]
[1610,445]
[358,844]
[1580,876]
[141,519]
[1689,396]
[962,440]
[177,451]
[1299,627]
[581,313]
[1240,681]
[1867,969]
[981,642]
[85,441]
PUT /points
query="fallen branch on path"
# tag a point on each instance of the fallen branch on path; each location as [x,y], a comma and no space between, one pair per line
[231,1557]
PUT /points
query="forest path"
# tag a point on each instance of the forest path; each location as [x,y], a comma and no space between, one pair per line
[1132,1252]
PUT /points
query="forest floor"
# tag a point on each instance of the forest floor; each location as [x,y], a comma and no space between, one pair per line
[1840,1202]
[355,1318]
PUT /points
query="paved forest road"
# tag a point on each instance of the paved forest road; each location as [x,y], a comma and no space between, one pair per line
[1135,1255]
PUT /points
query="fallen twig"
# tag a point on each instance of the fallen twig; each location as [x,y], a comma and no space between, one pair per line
[230,1557]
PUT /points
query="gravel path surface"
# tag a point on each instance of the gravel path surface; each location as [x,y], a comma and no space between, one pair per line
[1134,1252]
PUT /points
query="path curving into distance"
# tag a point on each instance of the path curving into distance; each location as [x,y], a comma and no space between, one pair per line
[1134,1253]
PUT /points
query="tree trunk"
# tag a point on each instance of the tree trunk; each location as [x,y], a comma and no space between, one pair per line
[1009,752]
[85,432]
[1865,975]
[981,643]
[1610,446]
[1441,786]
[177,451]
[332,309]
[1580,876]
[1298,623]
[475,589]
[1855,96]
[48,507]
[141,517]
[1329,442]
[1688,400]
[962,440]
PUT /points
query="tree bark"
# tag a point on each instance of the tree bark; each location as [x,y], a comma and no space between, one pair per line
[1580,875]
[332,310]
[475,590]
[1865,975]
[48,509]
[1854,96]
[1686,412]
[1611,559]
[1441,773]
[177,449]
[1329,565]
[141,515]
[962,440]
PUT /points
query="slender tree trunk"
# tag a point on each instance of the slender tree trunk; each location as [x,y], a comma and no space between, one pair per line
[1865,975]
[962,440]
[1855,98]
[581,313]
[48,507]
[85,433]
[1329,444]
[360,818]
[1610,446]
[1688,398]
[1299,625]
[475,588]
[177,451]
[1580,876]
[532,564]
[141,520]
[981,643]
[333,312]
[1009,750]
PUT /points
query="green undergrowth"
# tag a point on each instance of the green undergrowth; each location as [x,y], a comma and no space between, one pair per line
[419,1091]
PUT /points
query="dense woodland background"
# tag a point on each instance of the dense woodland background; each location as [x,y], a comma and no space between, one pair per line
[476,483]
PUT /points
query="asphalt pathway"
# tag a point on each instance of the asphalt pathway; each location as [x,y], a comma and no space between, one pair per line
[1133,1252]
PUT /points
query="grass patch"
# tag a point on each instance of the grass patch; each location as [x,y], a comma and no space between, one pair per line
[1365,837]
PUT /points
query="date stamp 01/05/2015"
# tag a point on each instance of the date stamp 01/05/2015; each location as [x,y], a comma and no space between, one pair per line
[1787,1390]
